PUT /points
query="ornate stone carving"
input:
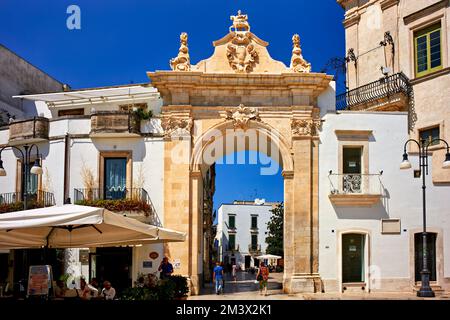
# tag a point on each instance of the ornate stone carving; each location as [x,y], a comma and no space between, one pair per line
[242,115]
[241,54]
[306,127]
[298,63]
[176,126]
[240,21]
[182,62]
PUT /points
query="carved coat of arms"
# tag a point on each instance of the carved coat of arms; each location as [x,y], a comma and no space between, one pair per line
[242,115]
[241,53]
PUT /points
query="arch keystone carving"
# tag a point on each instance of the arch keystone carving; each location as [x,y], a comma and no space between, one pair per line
[241,116]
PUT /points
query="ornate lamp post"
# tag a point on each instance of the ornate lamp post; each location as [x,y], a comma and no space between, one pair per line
[425,289]
[26,157]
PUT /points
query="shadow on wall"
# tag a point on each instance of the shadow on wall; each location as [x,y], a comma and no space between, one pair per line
[376,212]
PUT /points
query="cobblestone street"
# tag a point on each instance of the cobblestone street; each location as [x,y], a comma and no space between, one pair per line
[245,288]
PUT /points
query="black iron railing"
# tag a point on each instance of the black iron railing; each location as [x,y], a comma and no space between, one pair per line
[13,201]
[118,200]
[382,88]
[254,248]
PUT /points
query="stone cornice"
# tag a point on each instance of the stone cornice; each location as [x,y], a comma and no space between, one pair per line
[425,11]
[386,4]
[352,20]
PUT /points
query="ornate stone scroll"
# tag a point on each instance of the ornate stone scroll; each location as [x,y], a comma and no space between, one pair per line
[174,126]
[298,63]
[182,62]
[306,127]
[241,116]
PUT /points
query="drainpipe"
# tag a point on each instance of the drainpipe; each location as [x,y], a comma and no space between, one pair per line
[66,169]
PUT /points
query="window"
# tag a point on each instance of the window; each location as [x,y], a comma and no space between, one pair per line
[71,112]
[232,241]
[428,55]
[254,224]
[254,241]
[131,106]
[429,135]
[232,221]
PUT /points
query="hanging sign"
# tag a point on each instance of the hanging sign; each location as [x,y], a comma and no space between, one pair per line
[39,280]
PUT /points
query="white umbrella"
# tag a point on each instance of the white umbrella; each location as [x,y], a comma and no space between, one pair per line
[74,226]
[268,256]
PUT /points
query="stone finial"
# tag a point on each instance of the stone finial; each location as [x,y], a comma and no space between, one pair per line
[298,63]
[240,22]
[241,116]
[182,62]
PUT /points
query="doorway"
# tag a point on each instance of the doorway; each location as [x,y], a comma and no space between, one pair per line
[115,178]
[114,265]
[353,258]
[418,255]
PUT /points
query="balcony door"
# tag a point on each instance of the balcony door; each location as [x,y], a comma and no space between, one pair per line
[352,169]
[115,179]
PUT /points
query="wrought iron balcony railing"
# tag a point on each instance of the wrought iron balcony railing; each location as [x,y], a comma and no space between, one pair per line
[382,88]
[13,201]
[369,184]
[118,200]
[254,248]
[233,248]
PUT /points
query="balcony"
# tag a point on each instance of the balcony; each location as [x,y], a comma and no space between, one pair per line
[231,248]
[28,131]
[134,202]
[13,201]
[107,124]
[254,248]
[392,93]
[362,190]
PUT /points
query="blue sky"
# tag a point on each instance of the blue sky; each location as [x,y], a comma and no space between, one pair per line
[120,40]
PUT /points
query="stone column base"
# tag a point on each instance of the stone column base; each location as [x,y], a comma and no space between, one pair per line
[302,283]
[194,284]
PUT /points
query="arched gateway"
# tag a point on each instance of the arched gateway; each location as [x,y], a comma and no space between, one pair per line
[240,92]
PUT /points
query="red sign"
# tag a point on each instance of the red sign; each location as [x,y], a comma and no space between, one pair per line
[153,255]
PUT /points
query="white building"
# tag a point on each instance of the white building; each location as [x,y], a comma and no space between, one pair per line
[242,231]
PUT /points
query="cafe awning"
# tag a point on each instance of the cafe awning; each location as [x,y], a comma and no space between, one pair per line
[75,226]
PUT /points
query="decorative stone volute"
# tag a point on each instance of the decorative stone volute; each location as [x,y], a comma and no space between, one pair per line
[241,116]
[306,127]
[182,62]
[174,126]
[298,63]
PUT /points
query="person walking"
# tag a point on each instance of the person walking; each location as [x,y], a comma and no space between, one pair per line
[218,277]
[233,271]
[262,277]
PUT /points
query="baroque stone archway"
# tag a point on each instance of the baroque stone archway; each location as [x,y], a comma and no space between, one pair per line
[240,88]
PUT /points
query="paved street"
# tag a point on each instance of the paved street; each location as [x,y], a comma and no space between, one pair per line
[245,288]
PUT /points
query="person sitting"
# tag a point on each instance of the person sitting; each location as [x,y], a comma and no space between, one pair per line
[84,292]
[60,289]
[108,292]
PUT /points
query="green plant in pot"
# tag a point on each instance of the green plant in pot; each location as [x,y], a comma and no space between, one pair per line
[181,286]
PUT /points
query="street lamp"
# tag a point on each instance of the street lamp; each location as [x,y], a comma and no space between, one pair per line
[26,157]
[425,289]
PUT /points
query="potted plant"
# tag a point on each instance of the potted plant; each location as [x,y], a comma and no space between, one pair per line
[181,287]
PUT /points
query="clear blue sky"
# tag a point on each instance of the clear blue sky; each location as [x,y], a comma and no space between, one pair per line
[120,40]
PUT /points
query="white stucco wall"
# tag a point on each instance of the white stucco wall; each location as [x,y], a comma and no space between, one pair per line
[402,198]
[243,233]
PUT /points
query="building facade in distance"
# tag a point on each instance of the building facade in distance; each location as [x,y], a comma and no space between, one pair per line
[242,232]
